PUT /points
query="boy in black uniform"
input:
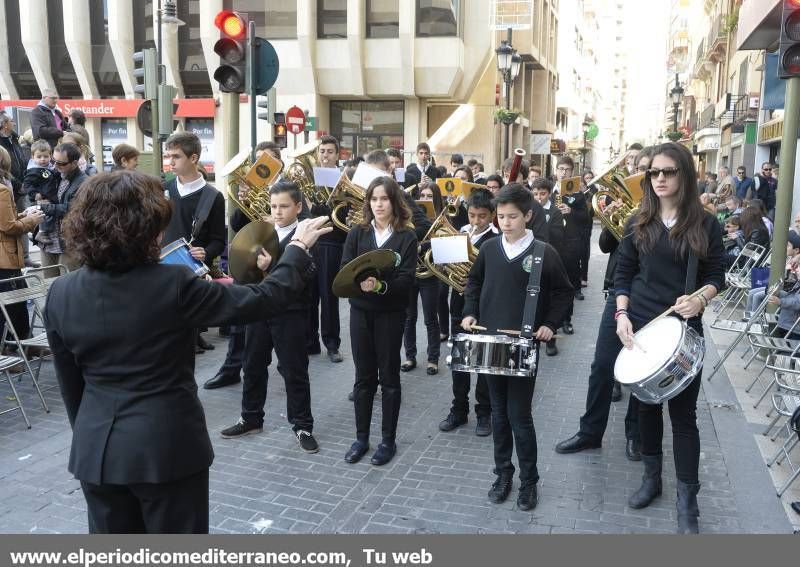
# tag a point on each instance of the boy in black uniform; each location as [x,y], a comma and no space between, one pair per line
[495,296]
[542,189]
[480,212]
[287,334]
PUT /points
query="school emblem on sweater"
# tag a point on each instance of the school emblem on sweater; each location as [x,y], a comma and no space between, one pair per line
[397,259]
[527,262]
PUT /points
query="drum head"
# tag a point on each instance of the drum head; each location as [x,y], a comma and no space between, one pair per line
[660,340]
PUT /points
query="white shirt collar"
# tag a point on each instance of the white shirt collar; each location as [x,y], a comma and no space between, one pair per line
[546,206]
[284,231]
[514,250]
[190,187]
[381,236]
[477,236]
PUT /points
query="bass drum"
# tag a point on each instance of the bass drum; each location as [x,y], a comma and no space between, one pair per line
[494,354]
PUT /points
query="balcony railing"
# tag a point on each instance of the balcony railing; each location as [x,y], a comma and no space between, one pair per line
[706,117]
[717,32]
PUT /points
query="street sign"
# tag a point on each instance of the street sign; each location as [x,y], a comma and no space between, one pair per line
[540,144]
[266,66]
[311,123]
[144,118]
[295,120]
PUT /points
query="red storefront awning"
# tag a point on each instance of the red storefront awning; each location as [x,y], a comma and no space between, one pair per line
[122,108]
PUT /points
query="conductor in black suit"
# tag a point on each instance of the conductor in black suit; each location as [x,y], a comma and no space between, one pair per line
[121,329]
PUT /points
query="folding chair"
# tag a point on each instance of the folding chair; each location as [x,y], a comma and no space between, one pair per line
[737,278]
[36,292]
[6,363]
[786,403]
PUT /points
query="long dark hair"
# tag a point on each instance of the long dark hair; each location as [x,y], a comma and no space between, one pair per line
[438,202]
[688,233]
[401,214]
[751,220]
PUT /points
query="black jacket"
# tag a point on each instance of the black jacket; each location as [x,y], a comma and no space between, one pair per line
[43,125]
[19,161]
[123,347]
[555,227]
[431,172]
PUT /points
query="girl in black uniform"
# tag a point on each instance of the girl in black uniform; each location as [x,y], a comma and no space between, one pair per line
[651,276]
[377,316]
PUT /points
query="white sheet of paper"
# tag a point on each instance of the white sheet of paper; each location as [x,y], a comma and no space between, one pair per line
[366,173]
[449,249]
[326,176]
[400,174]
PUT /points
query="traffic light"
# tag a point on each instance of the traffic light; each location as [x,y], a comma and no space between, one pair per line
[166,109]
[268,102]
[789,48]
[146,68]
[279,132]
[232,50]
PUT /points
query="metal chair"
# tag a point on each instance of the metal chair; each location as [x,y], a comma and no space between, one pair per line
[786,404]
[737,278]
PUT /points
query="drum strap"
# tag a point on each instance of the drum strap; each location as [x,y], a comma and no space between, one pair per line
[532,297]
[691,274]
[204,205]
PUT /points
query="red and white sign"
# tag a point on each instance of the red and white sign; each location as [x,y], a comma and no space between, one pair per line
[121,108]
[295,120]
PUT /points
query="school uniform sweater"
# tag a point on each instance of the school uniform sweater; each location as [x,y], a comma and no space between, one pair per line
[496,288]
[212,235]
[654,280]
[399,281]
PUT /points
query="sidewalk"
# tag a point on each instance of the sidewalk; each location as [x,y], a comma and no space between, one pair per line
[437,483]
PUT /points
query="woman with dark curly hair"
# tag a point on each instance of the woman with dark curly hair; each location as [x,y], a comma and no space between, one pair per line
[122,333]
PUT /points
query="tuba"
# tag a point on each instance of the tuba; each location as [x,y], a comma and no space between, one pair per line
[350,197]
[616,186]
[256,205]
[455,274]
[301,172]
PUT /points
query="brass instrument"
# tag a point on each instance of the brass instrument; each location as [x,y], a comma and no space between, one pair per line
[346,195]
[455,274]
[256,177]
[628,189]
[301,172]
[566,187]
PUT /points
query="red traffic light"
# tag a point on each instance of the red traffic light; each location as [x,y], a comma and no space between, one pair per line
[231,24]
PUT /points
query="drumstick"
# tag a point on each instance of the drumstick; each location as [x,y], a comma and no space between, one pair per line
[671,309]
[478,328]
[517,333]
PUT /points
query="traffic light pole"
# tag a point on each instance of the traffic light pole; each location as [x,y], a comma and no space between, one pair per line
[783,201]
[251,86]
[158,160]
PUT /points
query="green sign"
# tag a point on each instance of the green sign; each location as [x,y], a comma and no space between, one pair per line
[592,131]
[311,123]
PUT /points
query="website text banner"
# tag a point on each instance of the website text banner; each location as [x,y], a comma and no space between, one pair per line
[396,550]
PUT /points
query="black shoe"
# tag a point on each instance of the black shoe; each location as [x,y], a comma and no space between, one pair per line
[501,488]
[579,295]
[528,498]
[568,328]
[452,421]
[408,365]
[484,426]
[796,506]
[351,396]
[632,450]
[432,369]
[240,429]
[204,344]
[357,450]
[306,441]
[651,483]
[616,392]
[220,380]
[198,349]
[577,443]
[383,454]
[335,356]
[551,349]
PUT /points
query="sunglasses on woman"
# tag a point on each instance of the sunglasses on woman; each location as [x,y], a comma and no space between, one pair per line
[668,172]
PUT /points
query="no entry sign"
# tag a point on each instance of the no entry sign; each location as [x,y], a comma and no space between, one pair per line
[295,120]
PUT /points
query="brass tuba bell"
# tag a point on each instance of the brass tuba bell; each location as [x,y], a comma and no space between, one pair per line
[616,186]
[455,274]
[350,197]
[301,172]
[256,205]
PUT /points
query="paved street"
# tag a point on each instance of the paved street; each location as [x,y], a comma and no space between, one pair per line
[438,481]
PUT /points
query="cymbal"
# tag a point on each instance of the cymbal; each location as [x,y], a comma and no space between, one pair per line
[374,262]
[244,248]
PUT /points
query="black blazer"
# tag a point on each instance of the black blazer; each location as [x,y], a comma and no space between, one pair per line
[43,125]
[414,170]
[123,347]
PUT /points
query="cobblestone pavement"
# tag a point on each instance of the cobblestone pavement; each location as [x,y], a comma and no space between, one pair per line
[437,483]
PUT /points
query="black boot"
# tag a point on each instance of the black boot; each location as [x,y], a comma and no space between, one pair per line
[651,482]
[687,508]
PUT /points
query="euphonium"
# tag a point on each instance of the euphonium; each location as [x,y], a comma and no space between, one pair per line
[613,186]
[301,172]
[455,274]
[256,205]
[346,195]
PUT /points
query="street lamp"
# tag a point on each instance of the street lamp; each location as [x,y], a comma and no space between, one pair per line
[677,95]
[509,63]
[587,123]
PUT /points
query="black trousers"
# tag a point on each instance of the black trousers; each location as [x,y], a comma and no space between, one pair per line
[324,312]
[512,425]
[586,249]
[428,289]
[571,256]
[177,507]
[685,436]
[443,308]
[375,337]
[461,386]
[601,381]
[18,312]
[286,334]
[232,366]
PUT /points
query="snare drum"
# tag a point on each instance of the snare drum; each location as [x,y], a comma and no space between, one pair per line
[178,253]
[667,356]
[493,354]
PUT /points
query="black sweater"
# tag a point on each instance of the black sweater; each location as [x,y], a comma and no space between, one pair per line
[456,299]
[496,289]
[395,298]
[555,227]
[212,235]
[653,281]
[575,222]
